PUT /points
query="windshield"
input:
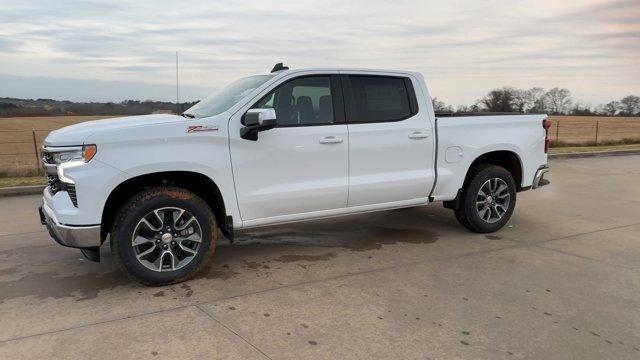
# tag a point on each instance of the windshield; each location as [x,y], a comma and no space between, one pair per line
[223,99]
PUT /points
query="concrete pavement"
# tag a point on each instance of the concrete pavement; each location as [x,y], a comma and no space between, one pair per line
[559,282]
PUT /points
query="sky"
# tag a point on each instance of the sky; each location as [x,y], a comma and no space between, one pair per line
[115,50]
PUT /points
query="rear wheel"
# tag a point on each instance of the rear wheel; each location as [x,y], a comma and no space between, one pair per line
[488,200]
[163,236]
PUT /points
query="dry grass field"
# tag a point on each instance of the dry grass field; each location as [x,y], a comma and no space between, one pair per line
[580,130]
[17,154]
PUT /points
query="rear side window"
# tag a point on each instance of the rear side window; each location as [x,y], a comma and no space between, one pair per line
[381,98]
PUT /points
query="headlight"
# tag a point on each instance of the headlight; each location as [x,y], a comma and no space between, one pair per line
[80,153]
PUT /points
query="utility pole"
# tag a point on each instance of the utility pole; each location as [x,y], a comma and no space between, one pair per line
[177,91]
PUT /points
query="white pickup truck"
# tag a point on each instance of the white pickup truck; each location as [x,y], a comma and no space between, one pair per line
[278,147]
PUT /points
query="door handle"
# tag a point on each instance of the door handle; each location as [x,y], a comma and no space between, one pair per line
[330,140]
[418,135]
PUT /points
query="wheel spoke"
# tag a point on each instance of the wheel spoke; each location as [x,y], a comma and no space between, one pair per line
[194,237]
[146,252]
[487,188]
[140,240]
[494,213]
[149,225]
[168,218]
[160,217]
[177,217]
[186,223]
[173,259]
[187,249]
[500,189]
[157,264]
[503,195]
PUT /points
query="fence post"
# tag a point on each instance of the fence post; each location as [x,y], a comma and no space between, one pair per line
[35,149]
[597,128]
[557,131]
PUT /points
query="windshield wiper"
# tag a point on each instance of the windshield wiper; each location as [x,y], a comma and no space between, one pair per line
[188,116]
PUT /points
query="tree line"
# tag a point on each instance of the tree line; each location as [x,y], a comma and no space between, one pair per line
[48,107]
[556,101]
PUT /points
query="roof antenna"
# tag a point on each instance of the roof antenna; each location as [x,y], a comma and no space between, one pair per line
[279,67]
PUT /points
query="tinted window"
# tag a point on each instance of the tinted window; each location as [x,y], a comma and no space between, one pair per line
[379,98]
[302,101]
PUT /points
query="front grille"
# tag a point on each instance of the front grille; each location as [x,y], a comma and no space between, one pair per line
[71,190]
[53,182]
[47,158]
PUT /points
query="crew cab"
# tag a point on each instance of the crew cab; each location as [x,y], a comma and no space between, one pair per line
[277,147]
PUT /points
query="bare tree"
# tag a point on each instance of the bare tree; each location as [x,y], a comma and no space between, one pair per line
[521,100]
[558,100]
[582,109]
[630,105]
[500,100]
[468,108]
[611,108]
[440,106]
[535,96]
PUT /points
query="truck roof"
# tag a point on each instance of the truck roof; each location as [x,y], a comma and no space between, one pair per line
[344,69]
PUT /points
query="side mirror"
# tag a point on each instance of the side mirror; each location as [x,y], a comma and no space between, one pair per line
[256,120]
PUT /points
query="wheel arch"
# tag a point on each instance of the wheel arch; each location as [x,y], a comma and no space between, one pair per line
[198,183]
[507,159]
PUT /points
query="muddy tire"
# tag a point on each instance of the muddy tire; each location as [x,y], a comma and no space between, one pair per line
[163,236]
[488,200]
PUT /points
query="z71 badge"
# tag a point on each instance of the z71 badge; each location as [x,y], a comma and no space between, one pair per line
[201,128]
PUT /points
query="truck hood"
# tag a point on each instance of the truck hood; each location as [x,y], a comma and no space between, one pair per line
[76,134]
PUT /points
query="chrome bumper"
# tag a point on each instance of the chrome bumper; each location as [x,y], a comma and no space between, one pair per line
[76,236]
[538,179]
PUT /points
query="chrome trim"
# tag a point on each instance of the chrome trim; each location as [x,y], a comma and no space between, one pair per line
[76,236]
[62,148]
[538,179]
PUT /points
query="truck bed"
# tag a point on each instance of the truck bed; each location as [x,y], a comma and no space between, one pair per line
[462,138]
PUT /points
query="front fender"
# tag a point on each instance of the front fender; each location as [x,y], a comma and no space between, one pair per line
[170,147]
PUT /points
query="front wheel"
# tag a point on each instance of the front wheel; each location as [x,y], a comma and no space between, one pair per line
[163,236]
[488,200]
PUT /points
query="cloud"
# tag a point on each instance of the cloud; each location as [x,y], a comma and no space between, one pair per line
[464,47]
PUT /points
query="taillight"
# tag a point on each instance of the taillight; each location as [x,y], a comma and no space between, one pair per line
[546,124]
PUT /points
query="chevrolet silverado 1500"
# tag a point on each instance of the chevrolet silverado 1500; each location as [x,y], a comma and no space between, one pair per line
[277,147]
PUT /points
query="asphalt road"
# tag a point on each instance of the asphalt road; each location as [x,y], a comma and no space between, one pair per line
[560,282]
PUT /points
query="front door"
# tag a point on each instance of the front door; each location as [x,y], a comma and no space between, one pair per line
[299,167]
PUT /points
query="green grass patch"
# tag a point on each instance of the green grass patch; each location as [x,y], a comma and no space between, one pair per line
[601,143]
[21,181]
[588,149]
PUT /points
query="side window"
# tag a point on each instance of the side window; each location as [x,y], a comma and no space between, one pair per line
[301,101]
[381,98]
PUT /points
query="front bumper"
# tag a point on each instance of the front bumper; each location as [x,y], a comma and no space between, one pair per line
[76,236]
[538,179]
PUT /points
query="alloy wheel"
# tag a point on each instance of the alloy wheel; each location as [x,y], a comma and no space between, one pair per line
[493,200]
[166,239]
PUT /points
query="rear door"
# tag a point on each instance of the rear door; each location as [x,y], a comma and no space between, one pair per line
[299,167]
[390,139]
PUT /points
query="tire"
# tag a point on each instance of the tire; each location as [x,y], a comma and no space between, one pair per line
[155,217]
[489,213]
